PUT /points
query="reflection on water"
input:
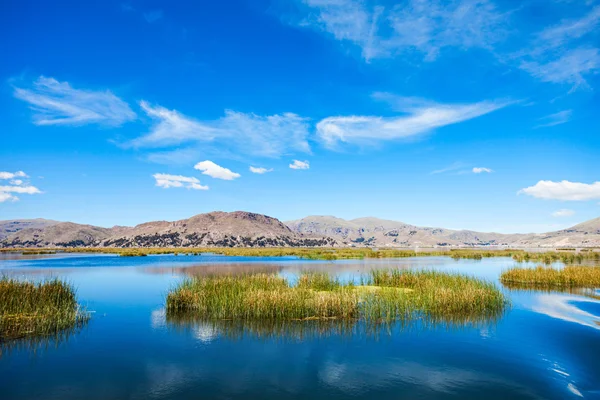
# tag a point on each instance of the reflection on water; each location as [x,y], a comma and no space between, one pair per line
[217,269]
[41,343]
[568,304]
[545,347]
[302,330]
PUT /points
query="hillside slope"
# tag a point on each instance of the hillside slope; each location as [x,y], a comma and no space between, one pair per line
[215,229]
[377,232]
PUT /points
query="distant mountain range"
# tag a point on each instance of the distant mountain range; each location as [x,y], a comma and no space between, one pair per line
[244,229]
[378,232]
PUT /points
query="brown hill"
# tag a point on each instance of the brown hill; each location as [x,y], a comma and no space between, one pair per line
[218,229]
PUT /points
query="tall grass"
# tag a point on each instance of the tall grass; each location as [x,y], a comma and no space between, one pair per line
[569,276]
[551,257]
[384,296]
[37,309]
[437,295]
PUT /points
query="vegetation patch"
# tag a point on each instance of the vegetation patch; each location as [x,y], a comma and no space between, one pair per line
[569,276]
[551,257]
[37,309]
[383,296]
[312,253]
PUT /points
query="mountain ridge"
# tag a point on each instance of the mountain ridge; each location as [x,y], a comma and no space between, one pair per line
[246,229]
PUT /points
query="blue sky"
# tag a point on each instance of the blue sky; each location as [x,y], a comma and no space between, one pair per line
[473,114]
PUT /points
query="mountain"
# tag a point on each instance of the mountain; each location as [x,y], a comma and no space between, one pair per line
[9,227]
[244,229]
[60,234]
[585,234]
[218,229]
[378,232]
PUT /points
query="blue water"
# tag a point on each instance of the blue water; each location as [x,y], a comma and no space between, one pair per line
[547,346]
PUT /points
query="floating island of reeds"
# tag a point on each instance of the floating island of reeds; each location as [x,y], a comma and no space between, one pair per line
[37,309]
[383,296]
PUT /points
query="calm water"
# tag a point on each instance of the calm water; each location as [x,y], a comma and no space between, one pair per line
[546,347]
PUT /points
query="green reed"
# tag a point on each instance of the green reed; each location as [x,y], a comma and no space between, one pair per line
[569,276]
[315,253]
[383,296]
[551,257]
[37,309]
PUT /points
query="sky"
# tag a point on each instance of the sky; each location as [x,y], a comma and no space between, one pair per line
[462,114]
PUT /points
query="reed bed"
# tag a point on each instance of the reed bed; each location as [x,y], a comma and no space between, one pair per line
[567,277]
[313,253]
[551,257]
[37,309]
[383,296]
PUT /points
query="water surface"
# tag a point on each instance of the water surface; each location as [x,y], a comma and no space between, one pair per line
[545,347]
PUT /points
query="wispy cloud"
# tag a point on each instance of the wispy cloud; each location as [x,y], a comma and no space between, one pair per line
[153,16]
[563,190]
[563,213]
[560,54]
[57,103]
[259,170]
[419,118]
[570,67]
[481,170]
[457,166]
[18,186]
[172,128]
[296,164]
[216,171]
[558,118]
[245,133]
[178,181]
[570,29]
[426,27]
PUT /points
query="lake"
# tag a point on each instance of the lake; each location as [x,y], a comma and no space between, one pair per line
[546,346]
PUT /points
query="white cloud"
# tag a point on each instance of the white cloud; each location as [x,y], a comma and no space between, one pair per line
[563,213]
[12,175]
[216,171]
[16,186]
[563,190]
[7,197]
[299,164]
[479,170]
[423,26]
[558,118]
[421,117]
[175,181]
[20,189]
[57,103]
[260,170]
[246,133]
